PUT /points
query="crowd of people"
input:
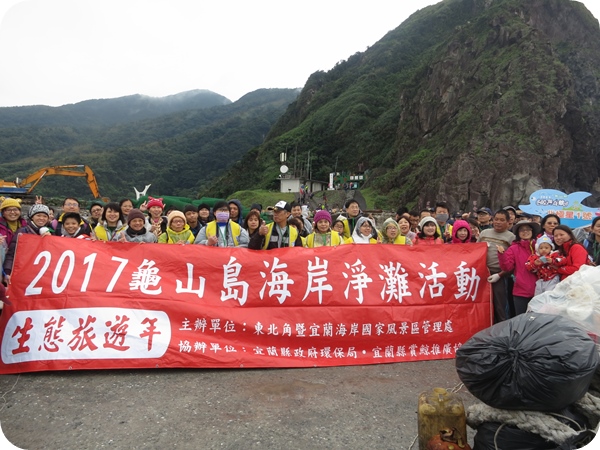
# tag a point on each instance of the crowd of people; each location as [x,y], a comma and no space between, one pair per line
[527,255]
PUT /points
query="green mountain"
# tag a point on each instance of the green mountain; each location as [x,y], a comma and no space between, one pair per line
[179,150]
[109,111]
[475,102]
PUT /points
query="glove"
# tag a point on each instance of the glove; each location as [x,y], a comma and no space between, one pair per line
[493,278]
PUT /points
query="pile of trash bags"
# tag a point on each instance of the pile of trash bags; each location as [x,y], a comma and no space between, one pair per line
[576,297]
[537,376]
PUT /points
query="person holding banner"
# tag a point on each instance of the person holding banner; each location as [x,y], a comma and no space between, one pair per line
[222,232]
[38,223]
[429,234]
[136,230]
[278,234]
[323,236]
[156,222]
[11,219]
[178,231]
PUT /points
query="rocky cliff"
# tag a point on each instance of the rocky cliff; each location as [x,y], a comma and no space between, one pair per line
[514,99]
[468,101]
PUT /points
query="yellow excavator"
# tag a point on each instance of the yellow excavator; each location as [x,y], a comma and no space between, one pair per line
[22,188]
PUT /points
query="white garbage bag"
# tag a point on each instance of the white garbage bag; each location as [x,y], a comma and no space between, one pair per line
[577,297]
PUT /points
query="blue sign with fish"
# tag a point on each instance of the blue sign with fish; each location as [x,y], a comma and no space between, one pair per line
[568,207]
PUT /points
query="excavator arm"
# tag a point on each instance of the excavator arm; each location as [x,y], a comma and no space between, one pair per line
[69,171]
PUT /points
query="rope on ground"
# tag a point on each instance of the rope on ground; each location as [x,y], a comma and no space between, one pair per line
[536,422]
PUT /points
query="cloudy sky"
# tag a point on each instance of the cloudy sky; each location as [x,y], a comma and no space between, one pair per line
[54,52]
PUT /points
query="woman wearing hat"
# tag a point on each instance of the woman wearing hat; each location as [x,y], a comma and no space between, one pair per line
[430,233]
[136,230]
[156,223]
[37,223]
[178,231]
[391,232]
[11,220]
[322,236]
[514,260]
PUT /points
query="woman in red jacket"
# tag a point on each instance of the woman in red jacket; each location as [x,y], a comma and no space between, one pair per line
[576,255]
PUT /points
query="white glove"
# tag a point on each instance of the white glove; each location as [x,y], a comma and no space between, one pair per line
[493,278]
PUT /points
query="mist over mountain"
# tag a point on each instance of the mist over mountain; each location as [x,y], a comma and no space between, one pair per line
[109,111]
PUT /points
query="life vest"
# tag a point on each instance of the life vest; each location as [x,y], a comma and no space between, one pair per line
[335,239]
[236,230]
[400,239]
[292,235]
[102,234]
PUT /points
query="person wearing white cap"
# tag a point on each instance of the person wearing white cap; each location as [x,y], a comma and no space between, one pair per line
[278,234]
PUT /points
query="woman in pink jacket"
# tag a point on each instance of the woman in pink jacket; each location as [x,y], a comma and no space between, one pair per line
[513,260]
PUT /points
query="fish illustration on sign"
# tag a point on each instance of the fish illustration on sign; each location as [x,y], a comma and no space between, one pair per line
[568,207]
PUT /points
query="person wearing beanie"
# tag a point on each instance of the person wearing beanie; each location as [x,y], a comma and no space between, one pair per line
[178,231]
[136,230]
[38,223]
[429,234]
[191,217]
[256,207]
[11,220]
[323,236]
[391,234]
[222,232]
[204,214]
[156,222]
[544,263]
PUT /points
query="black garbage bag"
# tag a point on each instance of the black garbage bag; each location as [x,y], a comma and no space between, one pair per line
[512,438]
[522,430]
[536,362]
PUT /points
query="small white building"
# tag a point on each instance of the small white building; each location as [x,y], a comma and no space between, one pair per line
[293,185]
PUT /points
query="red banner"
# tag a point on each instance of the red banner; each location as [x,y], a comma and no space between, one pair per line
[78,304]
